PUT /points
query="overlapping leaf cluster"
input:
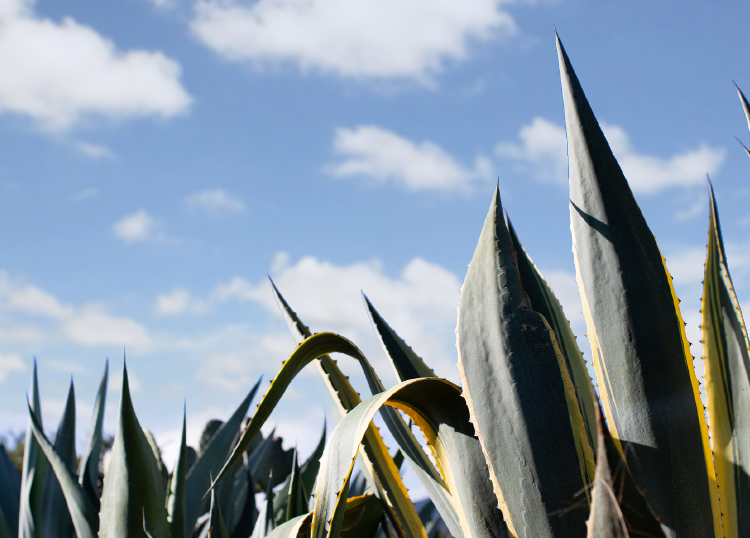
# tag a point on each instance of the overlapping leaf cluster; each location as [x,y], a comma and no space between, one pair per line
[526,448]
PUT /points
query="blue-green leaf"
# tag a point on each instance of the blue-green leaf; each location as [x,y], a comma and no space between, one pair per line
[133,487]
[266,522]
[176,499]
[88,470]
[10,493]
[216,528]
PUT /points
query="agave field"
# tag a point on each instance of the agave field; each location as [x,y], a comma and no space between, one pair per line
[524,448]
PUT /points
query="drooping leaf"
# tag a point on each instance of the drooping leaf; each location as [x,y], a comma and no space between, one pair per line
[641,354]
[81,509]
[10,493]
[393,491]
[216,528]
[88,470]
[33,473]
[437,408]
[618,507]
[538,454]
[726,358]
[543,300]
[406,363]
[377,464]
[362,517]
[210,461]
[266,522]
[133,488]
[297,502]
[56,522]
[176,499]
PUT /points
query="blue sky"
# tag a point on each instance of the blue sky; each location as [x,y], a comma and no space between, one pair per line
[160,157]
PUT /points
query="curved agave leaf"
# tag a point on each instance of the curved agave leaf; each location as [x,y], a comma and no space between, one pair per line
[56,522]
[88,470]
[176,500]
[299,526]
[33,473]
[539,456]
[641,354]
[377,463]
[437,408]
[399,506]
[543,300]
[406,363]
[133,488]
[82,511]
[10,493]
[210,461]
[618,508]
[726,357]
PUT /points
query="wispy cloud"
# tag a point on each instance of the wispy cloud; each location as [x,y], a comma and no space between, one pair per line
[138,227]
[85,194]
[383,156]
[541,151]
[384,39]
[216,202]
[95,151]
[10,363]
[178,302]
[61,73]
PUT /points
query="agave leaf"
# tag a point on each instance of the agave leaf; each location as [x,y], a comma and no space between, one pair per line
[33,473]
[266,522]
[297,501]
[216,528]
[299,526]
[726,357]
[81,509]
[539,456]
[406,363]
[399,505]
[618,507]
[88,470]
[10,493]
[176,499]
[745,104]
[5,531]
[159,462]
[245,514]
[543,300]
[56,522]
[377,463]
[438,409]
[641,354]
[362,517]
[133,488]
[199,476]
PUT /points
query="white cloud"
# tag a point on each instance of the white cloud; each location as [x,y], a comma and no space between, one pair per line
[9,364]
[85,194]
[419,303]
[542,152]
[92,325]
[61,73]
[351,38]
[94,151]
[138,227]
[372,152]
[177,302]
[215,202]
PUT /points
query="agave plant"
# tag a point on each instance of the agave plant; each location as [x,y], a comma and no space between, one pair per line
[525,448]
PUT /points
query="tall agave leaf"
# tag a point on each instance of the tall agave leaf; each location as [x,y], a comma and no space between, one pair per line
[133,489]
[216,528]
[618,508]
[408,365]
[210,461]
[641,355]
[33,473]
[56,522]
[398,504]
[746,109]
[543,300]
[539,456]
[81,509]
[377,463]
[437,408]
[88,469]
[176,499]
[10,492]
[297,502]
[266,522]
[726,357]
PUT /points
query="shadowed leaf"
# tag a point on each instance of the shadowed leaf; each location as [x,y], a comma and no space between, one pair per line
[33,473]
[88,470]
[10,493]
[176,499]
